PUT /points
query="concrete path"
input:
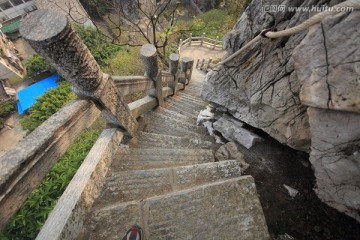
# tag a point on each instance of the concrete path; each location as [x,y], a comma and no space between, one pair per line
[199,52]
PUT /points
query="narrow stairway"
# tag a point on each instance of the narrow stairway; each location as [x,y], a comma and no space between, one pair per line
[167,181]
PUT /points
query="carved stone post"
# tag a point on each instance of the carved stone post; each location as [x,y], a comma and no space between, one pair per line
[174,65]
[190,39]
[208,64]
[202,39]
[215,42]
[52,36]
[190,68]
[149,59]
[202,63]
[180,45]
[197,63]
[187,64]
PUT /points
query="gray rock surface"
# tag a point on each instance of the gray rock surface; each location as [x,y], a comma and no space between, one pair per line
[328,67]
[271,85]
[231,151]
[232,130]
[260,87]
[335,157]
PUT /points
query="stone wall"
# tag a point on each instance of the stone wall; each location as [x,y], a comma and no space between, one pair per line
[271,85]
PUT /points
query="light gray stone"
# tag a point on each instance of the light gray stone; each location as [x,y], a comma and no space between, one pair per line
[228,209]
[260,87]
[231,151]
[328,66]
[231,129]
[336,159]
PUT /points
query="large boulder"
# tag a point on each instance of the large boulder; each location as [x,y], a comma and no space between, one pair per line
[328,67]
[302,90]
[260,87]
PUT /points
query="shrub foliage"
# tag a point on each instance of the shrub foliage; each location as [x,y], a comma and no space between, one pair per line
[35,65]
[47,105]
[27,223]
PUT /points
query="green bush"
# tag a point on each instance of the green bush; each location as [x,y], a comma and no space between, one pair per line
[27,223]
[6,108]
[125,62]
[47,105]
[96,8]
[35,65]
[213,23]
[97,43]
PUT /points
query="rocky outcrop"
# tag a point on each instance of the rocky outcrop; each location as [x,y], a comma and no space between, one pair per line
[328,67]
[231,151]
[260,87]
[302,90]
[233,130]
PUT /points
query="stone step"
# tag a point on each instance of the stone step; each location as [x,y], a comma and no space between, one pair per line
[174,114]
[182,109]
[188,102]
[161,124]
[153,140]
[123,186]
[226,209]
[191,97]
[197,100]
[176,131]
[170,121]
[194,93]
[185,103]
[149,158]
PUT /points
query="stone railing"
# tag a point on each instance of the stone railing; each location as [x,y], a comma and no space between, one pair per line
[23,167]
[200,41]
[203,64]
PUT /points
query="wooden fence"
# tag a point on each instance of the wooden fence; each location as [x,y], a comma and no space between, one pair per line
[200,41]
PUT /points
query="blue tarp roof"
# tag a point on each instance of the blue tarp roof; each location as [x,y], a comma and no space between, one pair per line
[27,96]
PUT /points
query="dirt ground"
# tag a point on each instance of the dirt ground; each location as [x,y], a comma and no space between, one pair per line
[304,216]
[9,137]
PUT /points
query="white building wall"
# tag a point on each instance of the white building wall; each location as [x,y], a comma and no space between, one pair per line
[15,10]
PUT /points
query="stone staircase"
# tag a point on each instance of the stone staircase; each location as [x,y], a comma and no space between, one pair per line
[167,181]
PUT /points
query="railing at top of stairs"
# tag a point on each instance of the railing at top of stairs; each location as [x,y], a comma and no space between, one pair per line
[23,167]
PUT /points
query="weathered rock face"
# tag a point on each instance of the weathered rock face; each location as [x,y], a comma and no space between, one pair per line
[328,67]
[231,151]
[260,87]
[232,130]
[308,96]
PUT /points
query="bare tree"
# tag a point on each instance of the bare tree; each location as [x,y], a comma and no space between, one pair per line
[133,22]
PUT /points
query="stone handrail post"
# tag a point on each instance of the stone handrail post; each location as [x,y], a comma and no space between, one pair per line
[149,58]
[180,45]
[197,63]
[208,64]
[202,39]
[202,63]
[174,66]
[215,42]
[186,68]
[50,34]
[190,39]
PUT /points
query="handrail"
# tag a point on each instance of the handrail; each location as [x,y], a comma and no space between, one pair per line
[24,166]
[202,41]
